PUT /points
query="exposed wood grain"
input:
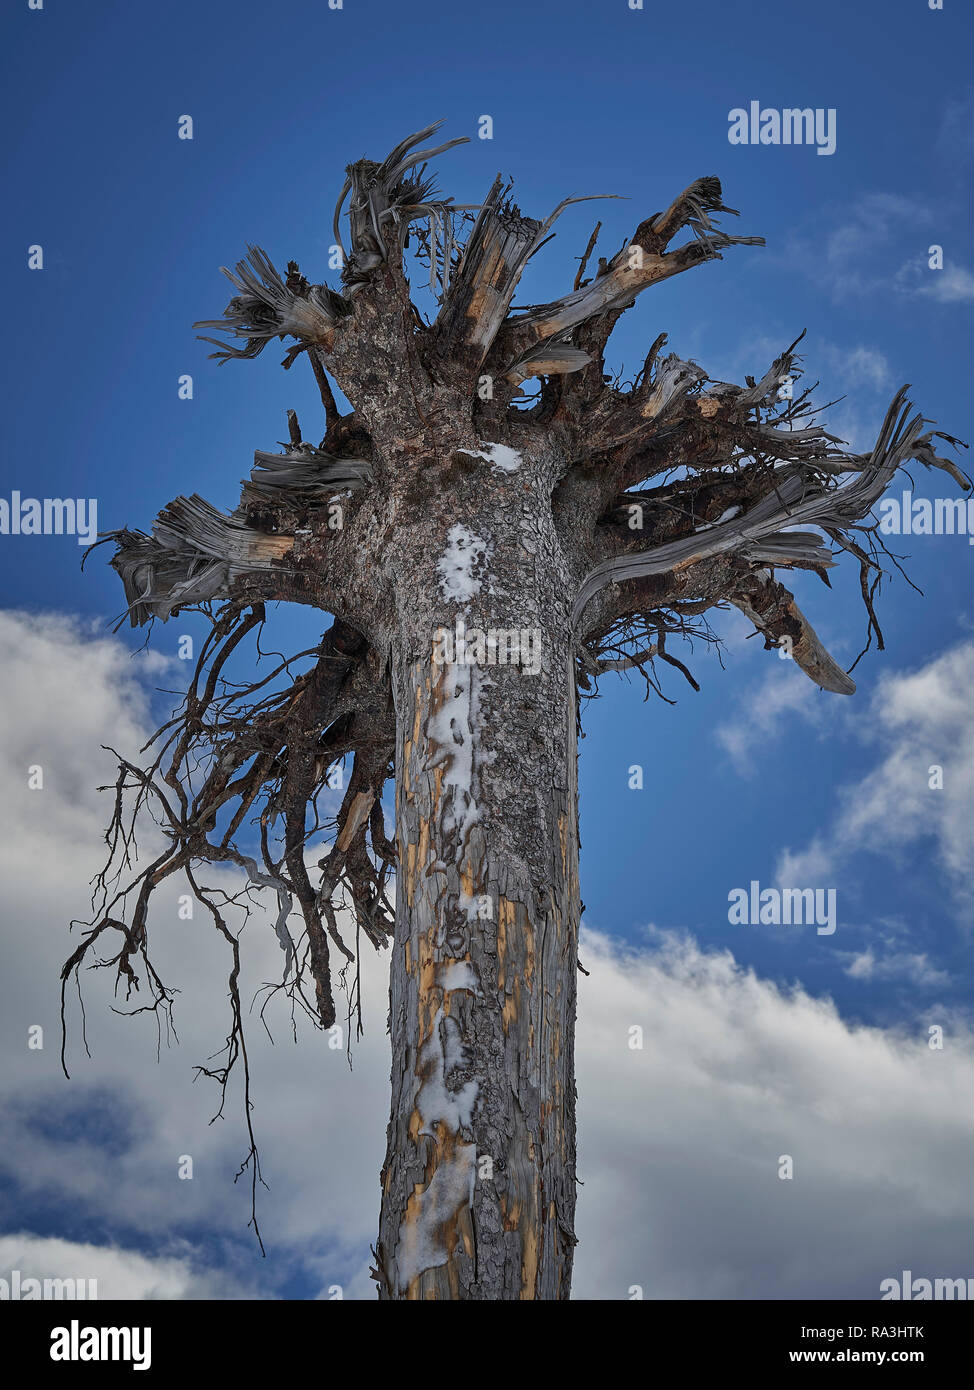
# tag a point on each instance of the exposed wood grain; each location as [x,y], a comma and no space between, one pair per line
[590,534]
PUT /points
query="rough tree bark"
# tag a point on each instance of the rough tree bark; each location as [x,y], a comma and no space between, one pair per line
[479,1178]
[486,565]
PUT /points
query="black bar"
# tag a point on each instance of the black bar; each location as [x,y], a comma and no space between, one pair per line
[238,1337]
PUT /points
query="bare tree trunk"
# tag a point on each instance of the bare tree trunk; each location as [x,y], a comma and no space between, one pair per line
[613,516]
[478,1187]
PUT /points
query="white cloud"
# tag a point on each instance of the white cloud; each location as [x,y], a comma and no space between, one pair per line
[860,381]
[781,692]
[848,252]
[679,1142]
[814,864]
[116,1273]
[855,368]
[951,284]
[922,720]
[108,1142]
[778,694]
[896,965]
[879,244]
[863,248]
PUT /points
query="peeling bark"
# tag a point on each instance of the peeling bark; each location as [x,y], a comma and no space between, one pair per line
[429,506]
[479,1178]
[773,611]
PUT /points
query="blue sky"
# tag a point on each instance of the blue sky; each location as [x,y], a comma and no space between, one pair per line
[584,98]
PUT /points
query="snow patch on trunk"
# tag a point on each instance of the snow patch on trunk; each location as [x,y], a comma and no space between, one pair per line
[458,974]
[457,566]
[422,1242]
[500,456]
[441,1054]
[431,1214]
[452,731]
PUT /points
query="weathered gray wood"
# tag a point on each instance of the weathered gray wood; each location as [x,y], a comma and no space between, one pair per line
[194,554]
[387,197]
[773,611]
[265,308]
[456,506]
[483,287]
[479,1178]
[757,535]
[642,262]
[304,471]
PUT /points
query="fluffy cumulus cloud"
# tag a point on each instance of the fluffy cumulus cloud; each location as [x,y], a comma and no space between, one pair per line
[104,1271]
[101,1152]
[921,788]
[680,1138]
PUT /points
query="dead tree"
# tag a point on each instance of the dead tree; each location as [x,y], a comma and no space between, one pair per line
[485,560]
